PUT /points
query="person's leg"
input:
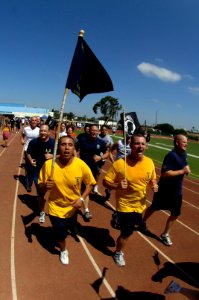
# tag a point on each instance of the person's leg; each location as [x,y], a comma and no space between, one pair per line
[169,223]
[126,221]
[29,174]
[40,198]
[175,209]
[121,242]
[148,213]
[60,229]
[95,189]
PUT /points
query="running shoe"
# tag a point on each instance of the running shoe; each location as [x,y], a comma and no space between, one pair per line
[166,239]
[64,257]
[119,259]
[42,217]
[87,215]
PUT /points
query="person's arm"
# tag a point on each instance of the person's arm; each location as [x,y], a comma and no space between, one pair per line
[116,185]
[80,201]
[23,141]
[31,160]
[186,170]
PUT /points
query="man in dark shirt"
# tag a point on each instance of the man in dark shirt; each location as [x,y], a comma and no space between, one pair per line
[39,150]
[93,151]
[169,195]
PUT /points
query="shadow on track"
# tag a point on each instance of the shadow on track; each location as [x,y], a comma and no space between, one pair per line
[100,200]
[30,201]
[21,178]
[99,238]
[186,271]
[123,294]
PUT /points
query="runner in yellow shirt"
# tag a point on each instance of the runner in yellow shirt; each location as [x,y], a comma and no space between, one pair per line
[65,190]
[130,191]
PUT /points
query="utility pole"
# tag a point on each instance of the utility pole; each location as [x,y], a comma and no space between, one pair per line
[156,117]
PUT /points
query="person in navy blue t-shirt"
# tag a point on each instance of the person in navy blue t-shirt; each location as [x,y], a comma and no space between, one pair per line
[93,151]
[169,195]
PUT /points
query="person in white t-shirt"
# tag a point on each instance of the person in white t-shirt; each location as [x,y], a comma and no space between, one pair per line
[29,132]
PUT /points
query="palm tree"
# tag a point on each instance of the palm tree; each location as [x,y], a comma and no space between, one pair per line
[108,107]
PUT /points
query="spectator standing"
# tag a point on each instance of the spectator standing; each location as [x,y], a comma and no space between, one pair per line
[39,150]
[130,182]
[169,196]
[65,190]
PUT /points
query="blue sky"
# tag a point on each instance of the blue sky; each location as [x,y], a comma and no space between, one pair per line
[150,49]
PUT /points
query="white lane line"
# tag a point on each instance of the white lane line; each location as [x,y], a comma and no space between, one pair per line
[107,285]
[189,228]
[190,190]
[196,207]
[12,252]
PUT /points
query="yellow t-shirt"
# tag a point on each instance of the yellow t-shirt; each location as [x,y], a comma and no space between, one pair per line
[67,188]
[138,175]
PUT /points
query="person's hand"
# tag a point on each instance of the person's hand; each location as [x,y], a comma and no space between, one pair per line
[97,158]
[187,170]
[33,162]
[124,184]
[155,188]
[77,203]
[50,183]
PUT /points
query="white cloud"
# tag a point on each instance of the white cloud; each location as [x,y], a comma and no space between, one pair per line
[194,90]
[160,73]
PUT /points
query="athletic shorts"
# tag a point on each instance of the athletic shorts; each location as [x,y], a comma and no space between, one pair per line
[128,222]
[62,225]
[166,202]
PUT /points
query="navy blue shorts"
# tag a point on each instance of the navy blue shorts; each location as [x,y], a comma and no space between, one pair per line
[167,202]
[128,222]
[61,226]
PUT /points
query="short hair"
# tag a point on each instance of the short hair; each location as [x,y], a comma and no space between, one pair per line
[178,137]
[136,135]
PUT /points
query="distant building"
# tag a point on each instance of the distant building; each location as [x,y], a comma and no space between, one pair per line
[21,110]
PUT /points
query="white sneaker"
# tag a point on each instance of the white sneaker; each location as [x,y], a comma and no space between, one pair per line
[95,191]
[166,239]
[64,257]
[119,259]
[42,217]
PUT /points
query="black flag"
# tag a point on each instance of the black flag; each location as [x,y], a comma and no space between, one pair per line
[86,74]
[130,124]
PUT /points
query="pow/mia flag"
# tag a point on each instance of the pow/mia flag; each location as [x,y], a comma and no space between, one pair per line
[130,124]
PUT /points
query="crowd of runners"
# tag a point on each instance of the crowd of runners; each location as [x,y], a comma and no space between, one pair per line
[68,177]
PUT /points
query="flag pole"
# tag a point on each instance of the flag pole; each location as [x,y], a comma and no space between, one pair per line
[124,143]
[81,33]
